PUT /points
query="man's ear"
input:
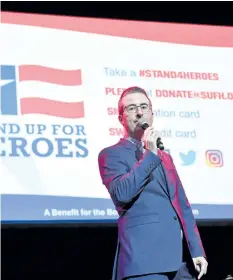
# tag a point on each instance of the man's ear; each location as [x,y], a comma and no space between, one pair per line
[120,119]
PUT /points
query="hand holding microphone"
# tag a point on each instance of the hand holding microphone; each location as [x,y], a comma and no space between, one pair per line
[151,139]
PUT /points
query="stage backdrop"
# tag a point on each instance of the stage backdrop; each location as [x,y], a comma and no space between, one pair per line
[61,78]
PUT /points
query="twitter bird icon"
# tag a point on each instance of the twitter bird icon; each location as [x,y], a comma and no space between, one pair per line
[188,158]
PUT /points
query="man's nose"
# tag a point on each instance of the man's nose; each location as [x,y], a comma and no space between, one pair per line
[139,111]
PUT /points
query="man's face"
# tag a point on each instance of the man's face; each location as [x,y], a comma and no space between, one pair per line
[129,118]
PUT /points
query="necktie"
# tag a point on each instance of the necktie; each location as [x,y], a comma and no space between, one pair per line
[139,151]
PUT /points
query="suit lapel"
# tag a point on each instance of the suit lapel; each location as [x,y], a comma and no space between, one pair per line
[161,178]
[129,146]
[170,172]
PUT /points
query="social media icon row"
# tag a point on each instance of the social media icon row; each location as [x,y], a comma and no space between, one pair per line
[213,158]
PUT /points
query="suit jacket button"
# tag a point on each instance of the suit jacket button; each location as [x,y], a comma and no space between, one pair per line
[175,218]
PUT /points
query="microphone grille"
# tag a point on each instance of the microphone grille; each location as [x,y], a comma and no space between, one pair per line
[143,124]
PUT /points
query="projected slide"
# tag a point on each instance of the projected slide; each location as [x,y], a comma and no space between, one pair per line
[61,79]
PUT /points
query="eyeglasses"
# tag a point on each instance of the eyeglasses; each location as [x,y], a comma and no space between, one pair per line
[133,108]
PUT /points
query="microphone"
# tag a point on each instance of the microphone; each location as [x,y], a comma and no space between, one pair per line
[144,125]
[159,144]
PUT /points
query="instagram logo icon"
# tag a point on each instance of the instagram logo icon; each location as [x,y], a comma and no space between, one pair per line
[214,158]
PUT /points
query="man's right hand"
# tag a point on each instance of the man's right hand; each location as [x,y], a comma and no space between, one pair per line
[149,139]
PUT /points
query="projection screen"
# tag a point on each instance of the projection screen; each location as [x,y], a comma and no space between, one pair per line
[61,78]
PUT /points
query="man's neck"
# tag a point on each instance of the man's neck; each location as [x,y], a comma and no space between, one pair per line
[132,136]
[137,135]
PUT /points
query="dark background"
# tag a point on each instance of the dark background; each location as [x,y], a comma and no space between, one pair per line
[87,252]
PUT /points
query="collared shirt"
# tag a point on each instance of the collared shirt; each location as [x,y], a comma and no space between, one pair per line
[136,142]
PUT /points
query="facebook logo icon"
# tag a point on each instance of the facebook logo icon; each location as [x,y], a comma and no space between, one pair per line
[8,95]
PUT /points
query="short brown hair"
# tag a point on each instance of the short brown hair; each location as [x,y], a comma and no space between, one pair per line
[127,91]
